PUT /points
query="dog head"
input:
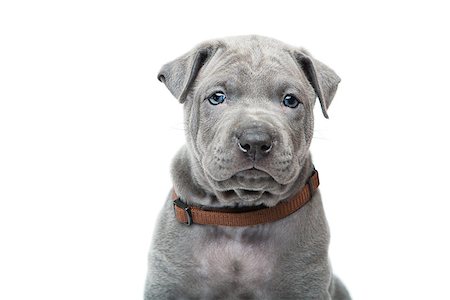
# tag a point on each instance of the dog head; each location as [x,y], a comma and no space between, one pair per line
[248,105]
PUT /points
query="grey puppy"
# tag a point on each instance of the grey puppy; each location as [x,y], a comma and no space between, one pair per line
[248,104]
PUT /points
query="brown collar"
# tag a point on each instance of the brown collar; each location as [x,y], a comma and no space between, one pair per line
[195,215]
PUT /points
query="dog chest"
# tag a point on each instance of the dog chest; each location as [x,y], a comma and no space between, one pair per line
[233,265]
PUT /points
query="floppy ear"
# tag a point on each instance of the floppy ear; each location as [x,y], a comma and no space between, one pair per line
[323,79]
[180,74]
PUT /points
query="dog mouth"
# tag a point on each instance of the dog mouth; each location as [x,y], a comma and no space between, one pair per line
[252,174]
[254,182]
[248,185]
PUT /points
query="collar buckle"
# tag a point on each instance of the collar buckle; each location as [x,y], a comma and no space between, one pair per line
[186,208]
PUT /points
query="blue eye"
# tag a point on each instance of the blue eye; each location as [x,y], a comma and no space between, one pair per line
[217,98]
[290,101]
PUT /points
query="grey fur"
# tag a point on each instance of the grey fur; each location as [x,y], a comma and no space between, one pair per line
[287,259]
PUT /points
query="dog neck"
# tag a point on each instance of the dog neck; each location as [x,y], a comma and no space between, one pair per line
[191,184]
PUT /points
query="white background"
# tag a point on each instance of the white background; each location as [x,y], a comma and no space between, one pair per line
[87,134]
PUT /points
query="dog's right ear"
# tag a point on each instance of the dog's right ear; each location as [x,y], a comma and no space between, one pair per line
[180,74]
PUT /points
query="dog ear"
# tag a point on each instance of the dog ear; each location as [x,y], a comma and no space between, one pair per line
[322,78]
[179,74]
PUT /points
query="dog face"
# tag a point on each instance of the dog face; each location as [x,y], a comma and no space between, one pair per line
[249,114]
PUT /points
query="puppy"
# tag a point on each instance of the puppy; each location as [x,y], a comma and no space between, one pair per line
[245,219]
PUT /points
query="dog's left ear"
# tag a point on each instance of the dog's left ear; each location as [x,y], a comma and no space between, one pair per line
[322,78]
[179,74]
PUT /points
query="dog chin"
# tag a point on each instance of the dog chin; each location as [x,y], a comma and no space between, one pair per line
[248,188]
[243,198]
[248,196]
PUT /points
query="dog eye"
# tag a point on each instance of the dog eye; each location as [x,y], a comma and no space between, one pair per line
[217,98]
[290,101]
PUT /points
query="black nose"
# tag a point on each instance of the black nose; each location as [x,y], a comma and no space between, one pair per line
[255,142]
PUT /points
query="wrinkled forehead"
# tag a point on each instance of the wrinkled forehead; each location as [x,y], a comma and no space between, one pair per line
[253,69]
